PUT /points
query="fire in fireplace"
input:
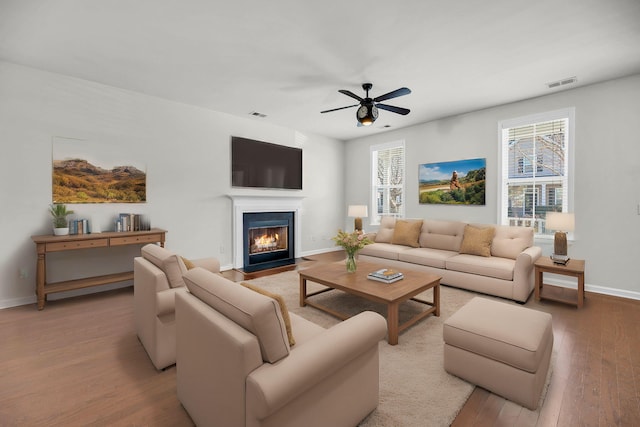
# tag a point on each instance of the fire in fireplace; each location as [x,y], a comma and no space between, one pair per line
[268,240]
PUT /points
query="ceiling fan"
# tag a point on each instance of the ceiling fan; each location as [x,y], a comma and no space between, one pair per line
[368,111]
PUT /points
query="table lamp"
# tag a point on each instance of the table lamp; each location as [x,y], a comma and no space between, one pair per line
[357,212]
[562,223]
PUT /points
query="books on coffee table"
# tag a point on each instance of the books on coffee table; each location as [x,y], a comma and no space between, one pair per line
[385,275]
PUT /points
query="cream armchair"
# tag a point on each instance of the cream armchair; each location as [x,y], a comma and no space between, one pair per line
[235,366]
[157,277]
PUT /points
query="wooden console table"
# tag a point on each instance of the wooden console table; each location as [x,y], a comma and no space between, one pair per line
[50,243]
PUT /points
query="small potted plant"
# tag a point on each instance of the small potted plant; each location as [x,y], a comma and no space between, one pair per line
[59,214]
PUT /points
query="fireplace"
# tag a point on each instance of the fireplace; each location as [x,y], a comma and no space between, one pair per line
[242,204]
[268,240]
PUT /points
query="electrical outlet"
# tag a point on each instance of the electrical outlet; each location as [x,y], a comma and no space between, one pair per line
[313,238]
[22,273]
[221,249]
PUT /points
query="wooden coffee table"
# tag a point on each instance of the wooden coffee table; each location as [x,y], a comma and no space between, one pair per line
[335,276]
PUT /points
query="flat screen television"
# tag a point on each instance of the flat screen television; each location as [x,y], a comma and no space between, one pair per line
[260,164]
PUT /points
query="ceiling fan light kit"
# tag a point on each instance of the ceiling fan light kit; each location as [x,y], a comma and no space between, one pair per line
[367,112]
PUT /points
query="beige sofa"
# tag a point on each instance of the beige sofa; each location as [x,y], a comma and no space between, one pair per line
[236,366]
[495,260]
[157,277]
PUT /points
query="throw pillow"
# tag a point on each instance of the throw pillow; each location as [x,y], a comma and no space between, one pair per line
[188,263]
[174,268]
[477,241]
[385,231]
[283,308]
[407,233]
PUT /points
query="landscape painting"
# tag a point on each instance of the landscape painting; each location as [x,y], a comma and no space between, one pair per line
[86,172]
[461,182]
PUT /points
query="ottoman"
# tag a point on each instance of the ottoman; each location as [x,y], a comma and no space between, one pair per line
[503,348]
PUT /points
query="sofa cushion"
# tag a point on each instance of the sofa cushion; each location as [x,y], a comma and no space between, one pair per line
[385,231]
[281,303]
[383,250]
[477,240]
[407,232]
[510,241]
[170,263]
[500,268]
[445,235]
[426,256]
[257,313]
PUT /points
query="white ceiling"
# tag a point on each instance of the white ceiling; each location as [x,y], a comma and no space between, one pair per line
[288,58]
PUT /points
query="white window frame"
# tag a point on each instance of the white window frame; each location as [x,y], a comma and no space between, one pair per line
[568,199]
[374,217]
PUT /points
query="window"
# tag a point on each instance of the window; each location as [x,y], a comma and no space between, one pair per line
[387,179]
[526,192]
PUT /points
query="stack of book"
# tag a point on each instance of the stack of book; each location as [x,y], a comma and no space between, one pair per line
[386,275]
[132,222]
[79,226]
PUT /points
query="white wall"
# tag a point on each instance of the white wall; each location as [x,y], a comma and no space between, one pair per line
[186,151]
[607,173]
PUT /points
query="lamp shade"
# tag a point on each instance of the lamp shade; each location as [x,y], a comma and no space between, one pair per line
[357,211]
[560,221]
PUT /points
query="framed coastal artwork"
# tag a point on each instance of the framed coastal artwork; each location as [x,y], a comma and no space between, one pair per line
[461,182]
[91,172]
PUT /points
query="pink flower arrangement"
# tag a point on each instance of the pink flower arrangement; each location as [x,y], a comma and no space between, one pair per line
[351,242]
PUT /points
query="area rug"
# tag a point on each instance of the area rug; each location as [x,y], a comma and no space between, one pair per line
[415,390]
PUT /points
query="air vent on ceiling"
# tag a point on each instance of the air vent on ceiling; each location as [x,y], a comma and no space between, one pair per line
[256,114]
[567,81]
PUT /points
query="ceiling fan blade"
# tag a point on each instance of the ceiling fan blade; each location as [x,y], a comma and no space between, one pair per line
[397,110]
[341,108]
[349,93]
[393,94]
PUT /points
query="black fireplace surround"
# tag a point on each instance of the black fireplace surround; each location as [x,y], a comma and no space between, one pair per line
[268,240]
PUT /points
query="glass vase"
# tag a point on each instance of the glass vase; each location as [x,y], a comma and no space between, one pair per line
[351,262]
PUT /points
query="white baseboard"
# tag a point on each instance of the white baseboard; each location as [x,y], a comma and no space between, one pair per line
[321,251]
[621,293]
[8,303]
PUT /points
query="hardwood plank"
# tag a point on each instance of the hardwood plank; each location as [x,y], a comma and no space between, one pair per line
[82,365]
[469,412]
[509,415]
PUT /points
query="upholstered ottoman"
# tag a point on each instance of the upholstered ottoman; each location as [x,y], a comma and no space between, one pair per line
[503,348]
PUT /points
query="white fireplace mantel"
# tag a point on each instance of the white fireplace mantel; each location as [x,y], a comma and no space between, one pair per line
[243,204]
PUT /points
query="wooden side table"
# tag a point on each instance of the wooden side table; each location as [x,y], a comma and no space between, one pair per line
[574,268]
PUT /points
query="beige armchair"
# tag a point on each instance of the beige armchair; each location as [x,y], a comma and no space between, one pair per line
[235,366]
[157,277]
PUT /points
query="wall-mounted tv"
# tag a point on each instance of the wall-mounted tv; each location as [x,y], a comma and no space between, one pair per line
[260,164]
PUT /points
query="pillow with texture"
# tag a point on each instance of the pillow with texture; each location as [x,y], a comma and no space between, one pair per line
[188,263]
[283,308]
[477,241]
[407,233]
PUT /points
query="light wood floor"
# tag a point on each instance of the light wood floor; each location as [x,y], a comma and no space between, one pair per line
[78,362]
